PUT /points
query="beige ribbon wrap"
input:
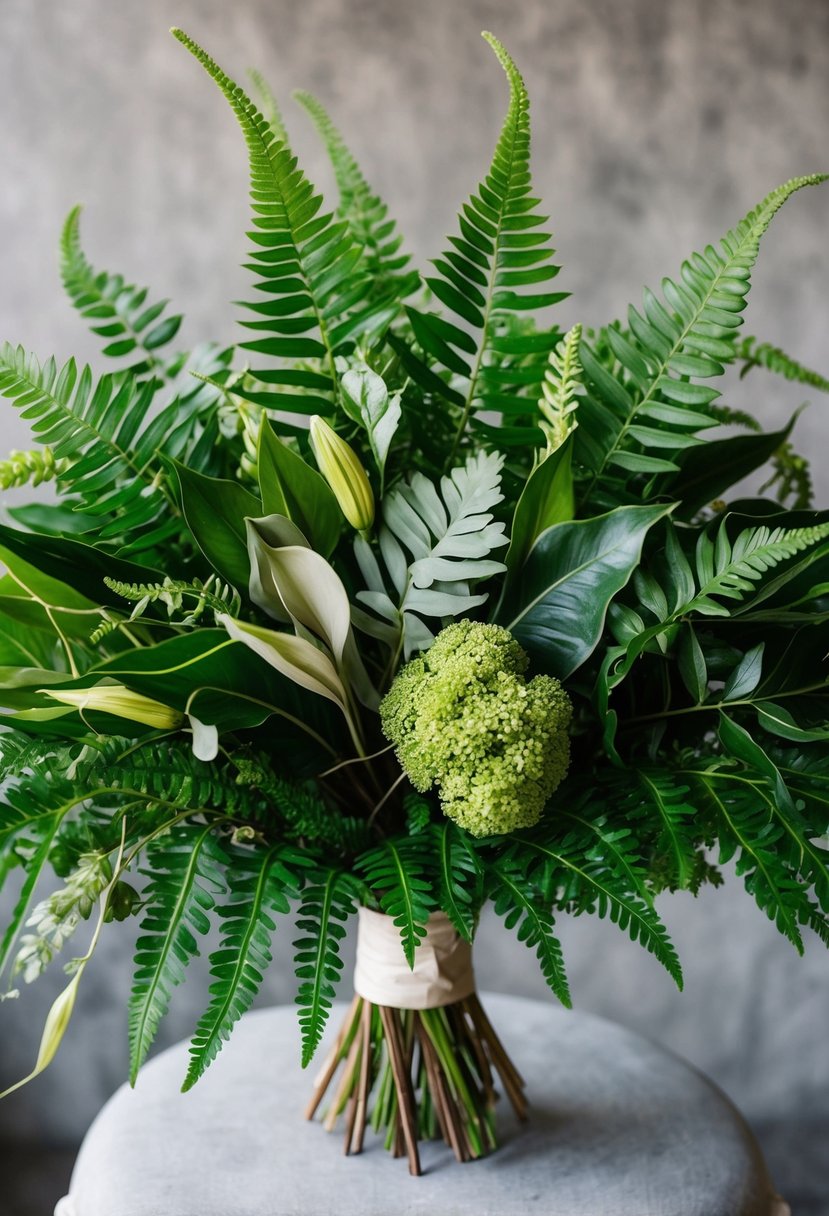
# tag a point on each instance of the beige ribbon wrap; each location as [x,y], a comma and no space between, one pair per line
[442,970]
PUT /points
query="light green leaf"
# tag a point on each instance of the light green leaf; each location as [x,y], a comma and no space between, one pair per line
[366,399]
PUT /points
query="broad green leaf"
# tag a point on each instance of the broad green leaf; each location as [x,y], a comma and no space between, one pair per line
[691,663]
[79,566]
[746,675]
[738,742]
[778,721]
[572,573]
[709,470]
[215,510]
[546,499]
[290,487]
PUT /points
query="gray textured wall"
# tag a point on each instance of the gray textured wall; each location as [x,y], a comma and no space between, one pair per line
[657,125]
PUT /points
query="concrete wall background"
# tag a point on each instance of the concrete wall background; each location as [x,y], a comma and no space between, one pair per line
[657,125]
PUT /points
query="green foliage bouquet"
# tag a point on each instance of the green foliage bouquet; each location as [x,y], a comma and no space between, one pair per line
[407,603]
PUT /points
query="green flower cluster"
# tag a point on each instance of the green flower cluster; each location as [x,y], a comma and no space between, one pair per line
[464,719]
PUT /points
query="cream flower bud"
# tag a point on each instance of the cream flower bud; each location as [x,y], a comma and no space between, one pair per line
[121,702]
[344,473]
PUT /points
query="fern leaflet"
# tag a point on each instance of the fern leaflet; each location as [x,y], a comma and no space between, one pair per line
[118,311]
[185,868]
[364,212]
[398,872]
[327,904]
[518,902]
[262,887]
[483,278]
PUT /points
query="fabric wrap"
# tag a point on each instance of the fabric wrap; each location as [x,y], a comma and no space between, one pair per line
[442,971]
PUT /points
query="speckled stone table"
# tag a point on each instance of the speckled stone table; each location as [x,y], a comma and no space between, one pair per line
[618,1127]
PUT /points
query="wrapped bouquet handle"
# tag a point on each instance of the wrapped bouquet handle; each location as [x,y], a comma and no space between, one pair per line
[442,972]
[420,1055]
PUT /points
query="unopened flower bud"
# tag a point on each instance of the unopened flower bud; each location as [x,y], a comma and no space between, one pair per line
[341,468]
[121,702]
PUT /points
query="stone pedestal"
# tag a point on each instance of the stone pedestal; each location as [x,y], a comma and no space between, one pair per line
[618,1127]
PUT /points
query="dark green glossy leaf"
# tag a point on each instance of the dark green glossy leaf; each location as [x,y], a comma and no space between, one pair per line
[291,487]
[215,511]
[571,575]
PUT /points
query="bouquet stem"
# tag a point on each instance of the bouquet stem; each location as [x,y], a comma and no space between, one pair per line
[417,1074]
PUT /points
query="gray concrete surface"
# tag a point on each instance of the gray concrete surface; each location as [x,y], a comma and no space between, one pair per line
[657,125]
[618,1127]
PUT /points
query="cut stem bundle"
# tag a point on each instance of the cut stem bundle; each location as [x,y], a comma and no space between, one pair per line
[417,1074]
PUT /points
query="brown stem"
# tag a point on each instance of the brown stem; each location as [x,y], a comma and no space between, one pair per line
[403,1081]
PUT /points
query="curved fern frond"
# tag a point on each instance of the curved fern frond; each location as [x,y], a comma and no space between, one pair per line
[518,902]
[327,904]
[637,416]
[399,873]
[581,875]
[745,830]
[186,872]
[93,428]
[727,571]
[434,546]
[309,270]
[722,569]
[262,887]
[664,801]
[763,354]
[117,311]
[364,211]
[212,595]
[485,276]
[158,769]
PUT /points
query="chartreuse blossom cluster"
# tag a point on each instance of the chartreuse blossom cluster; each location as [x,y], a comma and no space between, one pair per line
[465,720]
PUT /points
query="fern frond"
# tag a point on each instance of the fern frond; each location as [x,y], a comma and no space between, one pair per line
[518,902]
[160,769]
[558,403]
[91,428]
[186,871]
[398,873]
[763,354]
[459,872]
[30,468]
[364,211]
[213,595]
[664,801]
[117,311]
[309,270]
[303,815]
[638,416]
[485,276]
[745,828]
[434,546]
[727,571]
[269,106]
[327,904]
[582,874]
[262,886]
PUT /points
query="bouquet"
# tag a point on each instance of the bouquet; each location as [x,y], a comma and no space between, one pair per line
[407,602]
